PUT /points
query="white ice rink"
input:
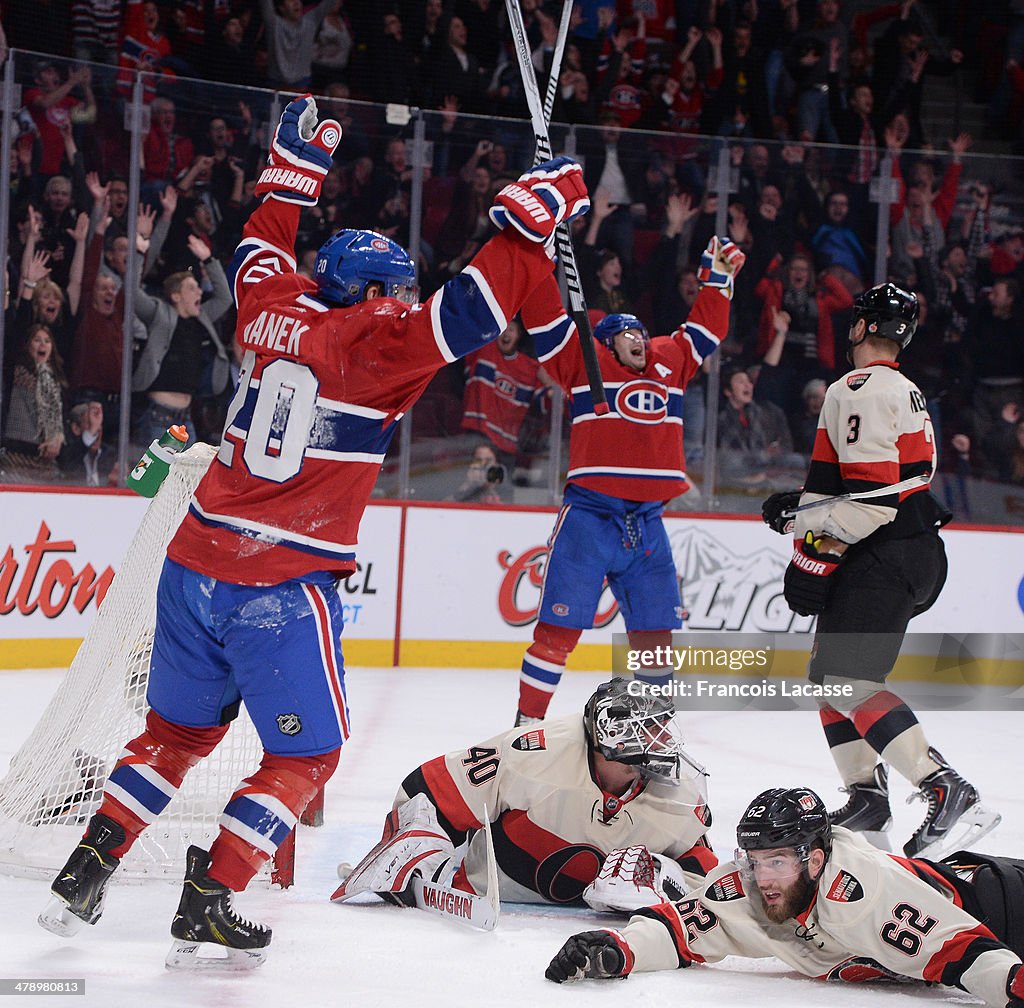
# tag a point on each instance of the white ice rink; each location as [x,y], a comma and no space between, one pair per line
[327,955]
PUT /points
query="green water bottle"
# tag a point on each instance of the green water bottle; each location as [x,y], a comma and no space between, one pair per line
[153,467]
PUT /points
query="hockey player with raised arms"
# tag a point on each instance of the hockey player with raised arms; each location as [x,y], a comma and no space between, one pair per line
[606,810]
[623,468]
[865,568]
[247,607]
[830,906]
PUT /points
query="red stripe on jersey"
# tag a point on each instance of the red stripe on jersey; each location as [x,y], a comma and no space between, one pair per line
[954,950]
[539,843]
[445,795]
[669,916]
[868,714]
[882,473]
[915,446]
[824,451]
[702,854]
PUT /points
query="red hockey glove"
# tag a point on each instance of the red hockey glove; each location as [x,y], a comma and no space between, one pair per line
[808,577]
[594,955]
[541,199]
[719,264]
[300,154]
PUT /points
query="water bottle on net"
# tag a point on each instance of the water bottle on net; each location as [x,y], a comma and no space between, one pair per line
[152,469]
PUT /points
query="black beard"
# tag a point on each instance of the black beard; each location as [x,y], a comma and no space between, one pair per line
[795,902]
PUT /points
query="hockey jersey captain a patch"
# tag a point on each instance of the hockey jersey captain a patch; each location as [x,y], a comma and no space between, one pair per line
[845,889]
[531,741]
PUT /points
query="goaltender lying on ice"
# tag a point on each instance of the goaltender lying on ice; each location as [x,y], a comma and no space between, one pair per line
[607,810]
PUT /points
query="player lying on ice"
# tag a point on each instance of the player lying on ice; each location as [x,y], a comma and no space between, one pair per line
[247,607]
[561,795]
[827,903]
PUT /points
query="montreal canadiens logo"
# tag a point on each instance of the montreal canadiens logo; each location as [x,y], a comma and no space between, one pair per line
[379,244]
[642,402]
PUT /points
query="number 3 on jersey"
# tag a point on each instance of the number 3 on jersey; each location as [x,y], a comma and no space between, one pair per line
[272,415]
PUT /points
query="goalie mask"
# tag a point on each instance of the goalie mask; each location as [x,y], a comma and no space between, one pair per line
[627,723]
[347,263]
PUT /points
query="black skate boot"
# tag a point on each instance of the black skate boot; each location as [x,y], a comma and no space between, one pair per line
[205,915]
[78,889]
[956,818]
[867,811]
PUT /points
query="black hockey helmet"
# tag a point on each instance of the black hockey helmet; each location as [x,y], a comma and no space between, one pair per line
[889,312]
[785,817]
[627,722]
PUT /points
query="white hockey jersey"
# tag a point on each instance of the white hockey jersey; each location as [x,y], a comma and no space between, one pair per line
[873,915]
[552,824]
[874,431]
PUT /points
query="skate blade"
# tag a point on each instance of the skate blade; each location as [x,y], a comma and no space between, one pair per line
[975,823]
[59,920]
[188,955]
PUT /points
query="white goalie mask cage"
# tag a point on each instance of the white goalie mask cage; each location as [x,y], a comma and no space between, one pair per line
[628,723]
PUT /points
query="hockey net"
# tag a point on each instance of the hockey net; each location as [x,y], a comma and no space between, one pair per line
[55,781]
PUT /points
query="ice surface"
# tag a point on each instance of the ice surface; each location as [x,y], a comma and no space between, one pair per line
[363,955]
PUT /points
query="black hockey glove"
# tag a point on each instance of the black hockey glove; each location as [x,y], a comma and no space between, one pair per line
[594,955]
[808,580]
[772,511]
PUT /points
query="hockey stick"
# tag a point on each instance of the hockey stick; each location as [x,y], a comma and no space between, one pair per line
[563,239]
[556,61]
[479,912]
[911,483]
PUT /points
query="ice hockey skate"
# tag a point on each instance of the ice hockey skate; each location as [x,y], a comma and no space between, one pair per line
[78,890]
[205,917]
[867,811]
[956,818]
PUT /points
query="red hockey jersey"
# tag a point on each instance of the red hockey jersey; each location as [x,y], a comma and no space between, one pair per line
[499,391]
[635,451]
[319,397]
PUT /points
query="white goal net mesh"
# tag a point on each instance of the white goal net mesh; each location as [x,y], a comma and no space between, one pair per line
[55,781]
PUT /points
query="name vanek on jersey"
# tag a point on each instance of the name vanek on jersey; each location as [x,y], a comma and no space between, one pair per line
[552,825]
[319,396]
[635,451]
[874,431]
[873,915]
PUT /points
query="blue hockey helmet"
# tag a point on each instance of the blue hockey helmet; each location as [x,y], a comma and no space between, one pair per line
[611,325]
[351,259]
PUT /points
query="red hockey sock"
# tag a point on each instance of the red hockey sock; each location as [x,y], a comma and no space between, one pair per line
[543,665]
[149,773]
[263,811]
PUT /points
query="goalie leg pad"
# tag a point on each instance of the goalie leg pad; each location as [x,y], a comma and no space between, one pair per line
[262,813]
[412,843]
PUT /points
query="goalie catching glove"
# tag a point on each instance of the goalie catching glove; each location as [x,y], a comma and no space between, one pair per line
[633,877]
[807,582]
[719,264]
[541,199]
[413,844]
[592,955]
[300,154]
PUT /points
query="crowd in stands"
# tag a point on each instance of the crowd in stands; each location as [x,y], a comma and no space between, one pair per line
[648,92]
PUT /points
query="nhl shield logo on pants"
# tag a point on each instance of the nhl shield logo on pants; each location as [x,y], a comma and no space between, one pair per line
[290,724]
